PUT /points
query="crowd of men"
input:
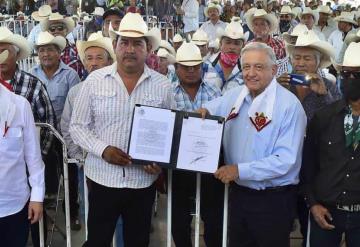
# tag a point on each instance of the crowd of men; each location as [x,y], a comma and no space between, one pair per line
[284,75]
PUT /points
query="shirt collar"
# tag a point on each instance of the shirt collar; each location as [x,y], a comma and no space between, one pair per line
[113,71]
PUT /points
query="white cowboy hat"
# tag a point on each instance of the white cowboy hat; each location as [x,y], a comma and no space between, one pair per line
[357,14]
[346,17]
[188,54]
[178,38]
[296,11]
[95,40]
[200,37]
[3,56]
[165,54]
[262,14]
[351,57]
[46,38]
[233,30]
[309,11]
[133,26]
[6,36]
[214,44]
[298,29]
[286,10]
[56,17]
[352,37]
[324,9]
[311,40]
[167,46]
[43,12]
[212,5]
[98,11]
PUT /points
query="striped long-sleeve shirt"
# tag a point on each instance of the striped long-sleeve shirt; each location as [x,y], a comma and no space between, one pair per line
[102,116]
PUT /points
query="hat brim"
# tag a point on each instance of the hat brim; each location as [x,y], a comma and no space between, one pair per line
[273,21]
[68,22]
[83,45]
[3,56]
[20,42]
[339,18]
[190,63]
[59,41]
[221,33]
[315,15]
[171,59]
[326,50]
[287,13]
[168,47]
[153,35]
[36,17]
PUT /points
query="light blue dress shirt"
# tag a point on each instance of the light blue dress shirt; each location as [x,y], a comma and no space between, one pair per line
[58,86]
[272,156]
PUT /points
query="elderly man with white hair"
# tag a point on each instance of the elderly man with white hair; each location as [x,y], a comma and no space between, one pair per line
[263,139]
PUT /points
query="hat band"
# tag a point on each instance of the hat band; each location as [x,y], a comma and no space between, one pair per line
[189,61]
[199,40]
[132,31]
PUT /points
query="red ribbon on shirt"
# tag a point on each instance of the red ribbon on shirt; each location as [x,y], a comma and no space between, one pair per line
[6,84]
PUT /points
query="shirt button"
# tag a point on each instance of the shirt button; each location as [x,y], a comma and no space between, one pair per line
[329,143]
[344,192]
[352,158]
[347,175]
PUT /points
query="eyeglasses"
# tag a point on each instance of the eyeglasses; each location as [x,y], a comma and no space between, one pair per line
[59,28]
[347,74]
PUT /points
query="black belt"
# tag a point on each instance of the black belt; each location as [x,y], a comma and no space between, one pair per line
[266,190]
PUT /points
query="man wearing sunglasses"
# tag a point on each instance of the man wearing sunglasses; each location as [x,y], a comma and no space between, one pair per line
[57,25]
[331,171]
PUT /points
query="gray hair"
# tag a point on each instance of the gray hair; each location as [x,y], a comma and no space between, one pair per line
[17,49]
[317,55]
[257,46]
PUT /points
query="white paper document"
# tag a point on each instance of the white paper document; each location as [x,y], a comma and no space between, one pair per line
[152,134]
[199,147]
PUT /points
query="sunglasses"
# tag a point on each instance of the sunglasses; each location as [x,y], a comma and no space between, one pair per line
[347,74]
[59,28]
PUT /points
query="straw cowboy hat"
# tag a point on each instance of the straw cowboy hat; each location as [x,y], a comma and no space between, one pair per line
[167,46]
[311,40]
[324,9]
[352,37]
[233,30]
[298,29]
[188,54]
[214,44]
[165,54]
[46,38]
[200,37]
[6,36]
[56,17]
[178,38]
[346,17]
[3,56]
[212,5]
[43,13]
[98,11]
[262,14]
[309,11]
[286,10]
[133,26]
[95,40]
[351,57]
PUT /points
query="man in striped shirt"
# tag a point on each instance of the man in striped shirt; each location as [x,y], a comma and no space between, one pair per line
[191,93]
[101,123]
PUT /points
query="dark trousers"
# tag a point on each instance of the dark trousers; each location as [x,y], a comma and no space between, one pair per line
[303,216]
[107,204]
[14,229]
[211,208]
[344,222]
[261,218]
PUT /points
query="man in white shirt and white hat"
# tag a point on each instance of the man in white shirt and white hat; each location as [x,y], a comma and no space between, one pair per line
[263,139]
[22,185]
[213,12]
[310,17]
[101,124]
[223,69]
[201,40]
[325,23]
[345,24]
[287,22]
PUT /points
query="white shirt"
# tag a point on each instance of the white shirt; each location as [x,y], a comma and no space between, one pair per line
[326,30]
[191,16]
[102,116]
[19,151]
[319,34]
[210,29]
[336,40]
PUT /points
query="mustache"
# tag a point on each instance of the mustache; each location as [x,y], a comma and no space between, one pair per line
[129,56]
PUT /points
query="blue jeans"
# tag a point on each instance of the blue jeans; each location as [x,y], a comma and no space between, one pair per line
[344,222]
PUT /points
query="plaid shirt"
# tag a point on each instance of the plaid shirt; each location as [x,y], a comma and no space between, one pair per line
[34,91]
[204,94]
[71,58]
